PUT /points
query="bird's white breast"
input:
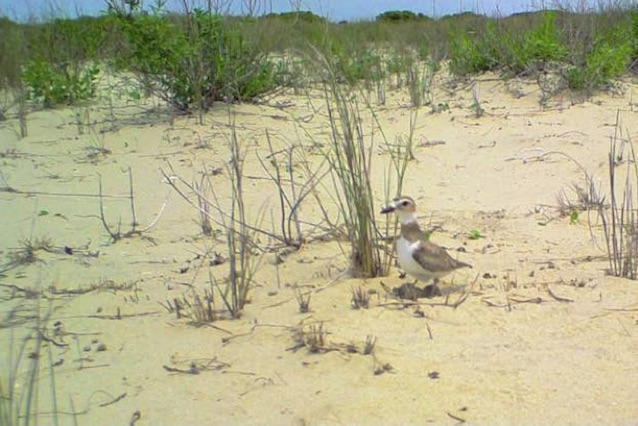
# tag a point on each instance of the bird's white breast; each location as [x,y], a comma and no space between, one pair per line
[405,249]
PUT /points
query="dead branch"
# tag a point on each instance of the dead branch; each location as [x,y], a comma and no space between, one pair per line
[558,298]
[114,400]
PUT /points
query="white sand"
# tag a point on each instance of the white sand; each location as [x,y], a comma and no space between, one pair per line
[493,360]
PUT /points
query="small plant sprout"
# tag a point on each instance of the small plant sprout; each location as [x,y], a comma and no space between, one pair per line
[203,205]
[27,252]
[420,83]
[369,344]
[198,309]
[315,339]
[476,103]
[303,300]
[359,298]
[573,217]
[585,199]
[475,234]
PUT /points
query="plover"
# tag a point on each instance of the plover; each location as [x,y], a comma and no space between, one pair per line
[418,256]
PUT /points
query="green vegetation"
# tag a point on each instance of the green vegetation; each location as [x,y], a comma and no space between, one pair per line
[193,58]
[53,84]
[475,234]
[607,60]
[573,217]
[292,17]
[400,15]
[27,371]
[620,221]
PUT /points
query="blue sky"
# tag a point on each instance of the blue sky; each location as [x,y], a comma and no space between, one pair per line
[335,10]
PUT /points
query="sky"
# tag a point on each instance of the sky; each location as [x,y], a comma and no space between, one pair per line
[335,10]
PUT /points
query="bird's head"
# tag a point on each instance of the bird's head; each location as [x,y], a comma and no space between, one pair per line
[404,207]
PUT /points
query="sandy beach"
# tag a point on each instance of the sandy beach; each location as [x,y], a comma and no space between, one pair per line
[544,335]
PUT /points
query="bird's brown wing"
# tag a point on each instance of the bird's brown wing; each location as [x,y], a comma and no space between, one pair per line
[435,259]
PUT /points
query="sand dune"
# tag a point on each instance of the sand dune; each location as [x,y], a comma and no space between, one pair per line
[545,336]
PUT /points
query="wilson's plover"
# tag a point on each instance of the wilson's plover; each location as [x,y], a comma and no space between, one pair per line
[416,255]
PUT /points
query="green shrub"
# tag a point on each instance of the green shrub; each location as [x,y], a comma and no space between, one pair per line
[576,78]
[356,66]
[609,58]
[543,44]
[470,57]
[493,47]
[303,16]
[54,61]
[71,41]
[50,85]
[608,61]
[512,55]
[193,60]
[400,15]
[11,54]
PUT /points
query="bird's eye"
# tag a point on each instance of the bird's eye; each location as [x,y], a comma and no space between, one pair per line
[405,203]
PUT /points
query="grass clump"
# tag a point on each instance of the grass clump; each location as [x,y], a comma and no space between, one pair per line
[239,240]
[27,253]
[28,393]
[620,222]
[303,301]
[349,158]
[349,155]
[359,298]
[198,309]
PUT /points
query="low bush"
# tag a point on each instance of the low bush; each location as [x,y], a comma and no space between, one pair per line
[192,60]
[543,44]
[400,15]
[495,47]
[55,84]
[610,57]
[470,56]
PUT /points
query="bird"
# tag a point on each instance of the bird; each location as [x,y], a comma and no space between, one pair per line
[416,254]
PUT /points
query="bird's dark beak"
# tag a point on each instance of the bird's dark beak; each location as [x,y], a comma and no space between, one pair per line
[388,209]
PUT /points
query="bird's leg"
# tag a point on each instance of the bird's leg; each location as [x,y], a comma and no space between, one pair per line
[436,290]
[447,297]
